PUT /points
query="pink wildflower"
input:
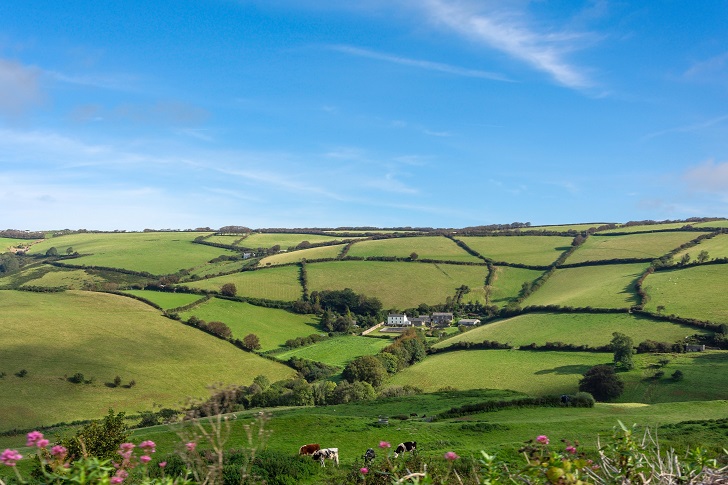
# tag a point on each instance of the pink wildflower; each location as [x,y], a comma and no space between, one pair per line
[145,459]
[364,470]
[42,443]
[384,444]
[162,464]
[191,446]
[571,449]
[59,451]
[451,456]
[543,439]
[116,480]
[126,446]
[148,446]
[33,438]
[9,457]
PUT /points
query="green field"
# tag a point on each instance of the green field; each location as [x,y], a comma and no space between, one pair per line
[568,227]
[100,335]
[717,247]
[608,286]
[280,283]
[697,292]
[648,227]
[272,326]
[438,248]
[228,240]
[284,240]
[164,299]
[154,252]
[532,250]
[508,282]
[397,285]
[50,277]
[592,329]
[719,223]
[652,245]
[337,351]
[296,256]
[7,242]
[212,269]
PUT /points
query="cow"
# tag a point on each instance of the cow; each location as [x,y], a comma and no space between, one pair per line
[369,456]
[403,447]
[326,453]
[309,449]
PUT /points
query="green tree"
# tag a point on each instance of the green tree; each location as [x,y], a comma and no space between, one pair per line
[622,347]
[99,438]
[602,382]
[703,256]
[366,368]
[685,259]
[251,342]
[228,289]
[413,256]
[52,252]
[69,250]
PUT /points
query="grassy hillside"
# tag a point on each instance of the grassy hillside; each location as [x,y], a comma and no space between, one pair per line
[296,256]
[438,248]
[532,250]
[599,248]
[7,242]
[284,240]
[337,351]
[647,227]
[507,283]
[51,277]
[166,300]
[270,283]
[717,247]
[53,336]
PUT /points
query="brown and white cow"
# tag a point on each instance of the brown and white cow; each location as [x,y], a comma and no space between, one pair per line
[403,447]
[309,449]
[327,454]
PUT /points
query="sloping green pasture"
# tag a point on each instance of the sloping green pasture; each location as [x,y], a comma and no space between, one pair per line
[273,326]
[438,248]
[280,283]
[284,240]
[154,252]
[164,299]
[296,256]
[508,282]
[396,284]
[533,250]
[56,335]
[607,286]
[567,227]
[647,227]
[720,223]
[717,247]
[592,329]
[50,277]
[651,245]
[208,269]
[7,242]
[696,292]
[337,351]
[229,240]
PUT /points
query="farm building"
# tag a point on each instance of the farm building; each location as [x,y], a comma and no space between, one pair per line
[469,322]
[441,319]
[421,321]
[398,320]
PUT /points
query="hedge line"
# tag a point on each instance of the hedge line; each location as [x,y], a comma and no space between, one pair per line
[490,406]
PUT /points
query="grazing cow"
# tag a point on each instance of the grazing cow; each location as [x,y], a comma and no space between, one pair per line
[369,456]
[326,453]
[403,447]
[309,449]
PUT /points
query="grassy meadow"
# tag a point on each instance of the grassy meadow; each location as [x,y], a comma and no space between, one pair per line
[507,283]
[337,351]
[696,292]
[568,227]
[272,325]
[166,300]
[397,285]
[652,245]
[321,252]
[592,329]
[227,239]
[608,286]
[438,248]
[647,227]
[271,283]
[284,240]
[212,269]
[8,242]
[531,250]
[717,247]
[718,223]
[53,336]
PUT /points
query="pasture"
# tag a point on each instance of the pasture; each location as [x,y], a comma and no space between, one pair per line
[647,227]
[337,351]
[717,247]
[284,240]
[718,223]
[592,329]
[56,335]
[397,284]
[50,277]
[438,248]
[211,269]
[227,239]
[273,326]
[158,253]
[567,227]
[321,252]
[507,283]
[649,245]
[166,300]
[607,286]
[7,242]
[280,283]
[531,250]
[696,292]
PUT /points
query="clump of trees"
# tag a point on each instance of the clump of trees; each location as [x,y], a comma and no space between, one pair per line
[622,346]
[228,289]
[602,382]
[98,438]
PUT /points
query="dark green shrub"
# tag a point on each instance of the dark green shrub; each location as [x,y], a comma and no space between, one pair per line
[76,378]
[583,400]
[677,375]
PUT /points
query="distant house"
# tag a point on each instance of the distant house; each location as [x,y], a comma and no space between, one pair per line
[398,320]
[469,322]
[421,321]
[440,319]
[695,348]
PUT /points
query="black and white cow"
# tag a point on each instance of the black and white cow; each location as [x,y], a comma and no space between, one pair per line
[326,454]
[403,447]
[369,456]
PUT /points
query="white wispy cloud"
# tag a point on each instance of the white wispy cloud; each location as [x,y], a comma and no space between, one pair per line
[19,88]
[508,32]
[708,68]
[688,128]
[419,63]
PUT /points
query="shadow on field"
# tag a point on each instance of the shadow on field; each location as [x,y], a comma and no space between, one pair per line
[565,369]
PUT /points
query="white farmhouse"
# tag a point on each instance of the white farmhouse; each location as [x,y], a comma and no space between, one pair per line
[398,320]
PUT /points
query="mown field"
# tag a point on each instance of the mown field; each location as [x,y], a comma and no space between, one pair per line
[272,326]
[158,253]
[271,283]
[531,250]
[608,286]
[337,351]
[284,240]
[397,285]
[592,329]
[717,247]
[652,245]
[647,227]
[53,336]
[697,292]
[213,269]
[308,254]
[166,300]
[438,248]
[506,285]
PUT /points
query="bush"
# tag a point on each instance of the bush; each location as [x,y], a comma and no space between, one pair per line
[76,378]
[583,400]
[602,382]
[677,375]
[21,373]
[100,438]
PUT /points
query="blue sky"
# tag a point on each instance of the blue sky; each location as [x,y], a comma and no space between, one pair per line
[444,113]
